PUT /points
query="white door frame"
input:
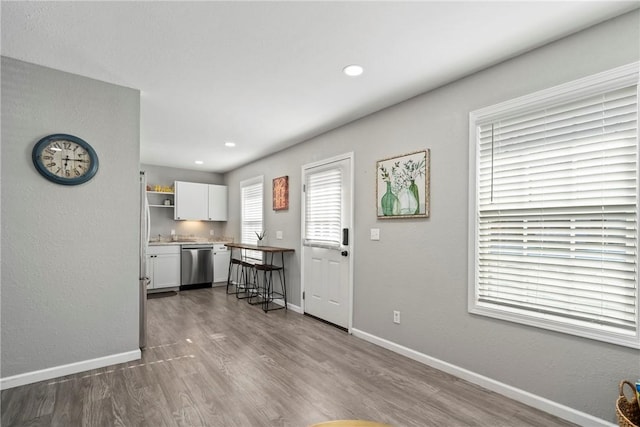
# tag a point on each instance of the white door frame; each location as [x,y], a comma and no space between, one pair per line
[351,248]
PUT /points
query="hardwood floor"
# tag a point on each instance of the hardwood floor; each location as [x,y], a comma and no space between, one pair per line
[213,360]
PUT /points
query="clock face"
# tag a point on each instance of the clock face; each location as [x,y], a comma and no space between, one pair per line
[65,159]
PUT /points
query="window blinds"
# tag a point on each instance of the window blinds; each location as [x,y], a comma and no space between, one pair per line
[557,213]
[251,195]
[323,201]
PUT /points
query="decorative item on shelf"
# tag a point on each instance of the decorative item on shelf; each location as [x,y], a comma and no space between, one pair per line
[261,237]
[402,186]
[281,193]
[161,189]
[167,202]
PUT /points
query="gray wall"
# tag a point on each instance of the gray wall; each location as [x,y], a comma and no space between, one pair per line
[162,221]
[420,266]
[69,253]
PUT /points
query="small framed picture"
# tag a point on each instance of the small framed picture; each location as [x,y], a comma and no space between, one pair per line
[402,186]
[281,193]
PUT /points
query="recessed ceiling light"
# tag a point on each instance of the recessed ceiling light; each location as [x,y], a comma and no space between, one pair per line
[199,162]
[353,70]
[229,144]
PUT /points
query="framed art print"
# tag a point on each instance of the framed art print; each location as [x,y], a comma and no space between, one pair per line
[402,186]
[281,193]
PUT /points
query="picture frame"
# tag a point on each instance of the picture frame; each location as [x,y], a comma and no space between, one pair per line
[402,186]
[281,193]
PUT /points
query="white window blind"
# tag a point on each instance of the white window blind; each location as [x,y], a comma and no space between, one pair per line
[323,198]
[251,200]
[556,232]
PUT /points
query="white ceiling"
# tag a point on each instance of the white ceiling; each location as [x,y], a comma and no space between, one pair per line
[268,75]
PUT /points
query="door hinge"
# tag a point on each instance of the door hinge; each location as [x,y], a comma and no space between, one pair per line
[302,294]
[304,188]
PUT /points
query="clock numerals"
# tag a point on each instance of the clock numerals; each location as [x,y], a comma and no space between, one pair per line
[65,159]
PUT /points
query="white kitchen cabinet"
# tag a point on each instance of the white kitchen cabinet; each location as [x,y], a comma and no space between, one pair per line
[221,260]
[192,201]
[217,202]
[163,266]
[197,201]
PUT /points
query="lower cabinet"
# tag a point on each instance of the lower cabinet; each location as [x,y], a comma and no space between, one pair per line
[163,266]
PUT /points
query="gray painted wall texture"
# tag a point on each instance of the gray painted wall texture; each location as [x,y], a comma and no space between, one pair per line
[69,253]
[420,266]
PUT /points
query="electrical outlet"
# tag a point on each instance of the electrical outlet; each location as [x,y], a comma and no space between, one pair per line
[173,232]
[375,234]
[279,235]
[396,316]
[210,232]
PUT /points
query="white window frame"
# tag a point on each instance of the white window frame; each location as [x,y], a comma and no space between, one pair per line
[258,180]
[607,81]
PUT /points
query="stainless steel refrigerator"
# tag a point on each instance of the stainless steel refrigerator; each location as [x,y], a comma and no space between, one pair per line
[145,230]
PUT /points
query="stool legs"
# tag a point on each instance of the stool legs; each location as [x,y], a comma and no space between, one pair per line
[265,287]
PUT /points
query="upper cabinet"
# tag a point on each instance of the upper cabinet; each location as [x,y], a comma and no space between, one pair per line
[217,202]
[197,201]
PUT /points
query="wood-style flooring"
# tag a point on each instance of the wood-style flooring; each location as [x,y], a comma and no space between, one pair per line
[213,360]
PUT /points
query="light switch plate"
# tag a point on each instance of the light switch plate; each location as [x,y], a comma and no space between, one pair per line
[279,235]
[375,234]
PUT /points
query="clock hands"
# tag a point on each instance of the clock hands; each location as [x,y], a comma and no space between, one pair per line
[66,158]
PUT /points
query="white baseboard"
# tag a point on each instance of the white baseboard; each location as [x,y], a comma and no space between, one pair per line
[538,402]
[72,368]
[292,307]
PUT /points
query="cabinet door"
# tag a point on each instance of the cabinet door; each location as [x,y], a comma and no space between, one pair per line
[191,201]
[166,272]
[221,266]
[217,202]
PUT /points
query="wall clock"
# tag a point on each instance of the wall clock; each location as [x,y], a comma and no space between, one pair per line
[281,193]
[65,159]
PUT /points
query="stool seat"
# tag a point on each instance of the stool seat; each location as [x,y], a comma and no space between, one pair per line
[267,267]
[350,423]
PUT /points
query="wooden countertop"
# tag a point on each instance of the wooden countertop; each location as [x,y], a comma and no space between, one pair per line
[258,248]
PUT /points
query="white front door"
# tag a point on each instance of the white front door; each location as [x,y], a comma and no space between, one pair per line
[327,240]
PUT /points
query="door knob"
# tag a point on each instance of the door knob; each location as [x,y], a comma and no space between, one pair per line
[344,253]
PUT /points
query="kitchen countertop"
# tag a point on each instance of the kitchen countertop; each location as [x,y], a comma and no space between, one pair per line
[188,242]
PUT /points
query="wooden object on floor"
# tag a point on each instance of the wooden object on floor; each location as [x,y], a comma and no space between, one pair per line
[350,423]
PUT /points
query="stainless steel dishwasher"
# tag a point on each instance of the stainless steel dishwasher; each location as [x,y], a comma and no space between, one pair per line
[196,265]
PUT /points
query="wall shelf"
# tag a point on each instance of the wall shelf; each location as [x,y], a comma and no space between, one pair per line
[156,199]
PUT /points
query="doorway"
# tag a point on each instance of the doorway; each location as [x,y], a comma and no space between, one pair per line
[327,240]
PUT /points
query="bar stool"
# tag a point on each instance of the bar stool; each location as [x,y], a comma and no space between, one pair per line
[242,272]
[264,288]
